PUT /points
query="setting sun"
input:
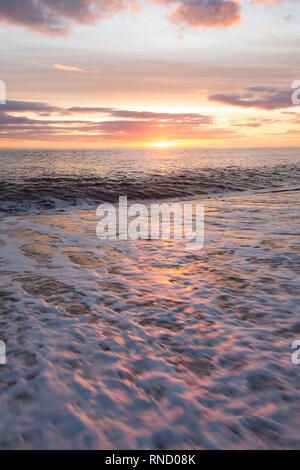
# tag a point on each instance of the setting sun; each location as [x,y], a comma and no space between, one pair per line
[163,144]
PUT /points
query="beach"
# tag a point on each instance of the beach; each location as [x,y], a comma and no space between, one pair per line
[143,344]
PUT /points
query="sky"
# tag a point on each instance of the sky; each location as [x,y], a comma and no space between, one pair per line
[101,73]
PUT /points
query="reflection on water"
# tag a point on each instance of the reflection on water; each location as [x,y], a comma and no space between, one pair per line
[146,345]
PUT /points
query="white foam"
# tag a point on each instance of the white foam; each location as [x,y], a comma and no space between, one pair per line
[167,348]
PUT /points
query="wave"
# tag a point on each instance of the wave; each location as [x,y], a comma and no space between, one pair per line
[52,192]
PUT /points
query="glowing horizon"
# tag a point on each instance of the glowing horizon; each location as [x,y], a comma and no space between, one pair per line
[193,87]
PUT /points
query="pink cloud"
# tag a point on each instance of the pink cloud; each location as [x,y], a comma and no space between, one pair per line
[207,13]
[57,17]
[267,2]
[122,125]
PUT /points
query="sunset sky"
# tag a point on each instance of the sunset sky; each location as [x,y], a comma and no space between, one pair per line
[96,73]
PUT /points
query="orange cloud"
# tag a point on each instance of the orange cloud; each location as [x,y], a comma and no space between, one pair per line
[118,125]
[67,68]
[207,13]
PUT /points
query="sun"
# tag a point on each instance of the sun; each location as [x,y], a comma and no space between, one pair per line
[163,144]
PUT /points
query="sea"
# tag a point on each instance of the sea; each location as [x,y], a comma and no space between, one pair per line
[143,344]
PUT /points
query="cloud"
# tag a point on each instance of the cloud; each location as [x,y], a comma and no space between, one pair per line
[268,2]
[67,68]
[28,106]
[58,16]
[187,118]
[62,67]
[116,126]
[262,89]
[206,13]
[257,97]
[89,110]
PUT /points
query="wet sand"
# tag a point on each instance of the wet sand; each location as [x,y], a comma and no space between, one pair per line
[143,344]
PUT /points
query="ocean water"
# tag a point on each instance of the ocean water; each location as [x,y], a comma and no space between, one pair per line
[144,344]
[58,178]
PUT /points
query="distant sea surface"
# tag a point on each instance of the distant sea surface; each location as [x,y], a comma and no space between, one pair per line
[57,178]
